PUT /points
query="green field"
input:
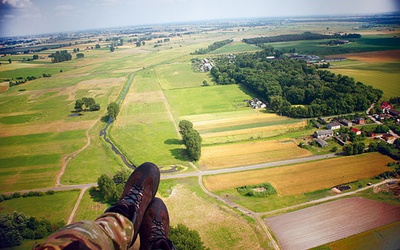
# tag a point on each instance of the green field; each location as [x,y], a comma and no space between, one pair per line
[384,76]
[366,43]
[54,207]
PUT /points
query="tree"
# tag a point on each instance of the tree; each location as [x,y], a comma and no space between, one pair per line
[108,188]
[185,238]
[97,46]
[78,105]
[80,55]
[191,138]
[113,110]
[9,60]
[112,49]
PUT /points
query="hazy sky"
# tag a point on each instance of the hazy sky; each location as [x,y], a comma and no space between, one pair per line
[23,17]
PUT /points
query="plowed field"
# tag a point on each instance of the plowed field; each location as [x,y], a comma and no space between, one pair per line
[321,224]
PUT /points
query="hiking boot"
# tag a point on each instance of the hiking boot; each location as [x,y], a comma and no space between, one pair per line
[155,227]
[139,191]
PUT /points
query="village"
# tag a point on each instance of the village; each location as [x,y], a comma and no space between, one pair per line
[343,130]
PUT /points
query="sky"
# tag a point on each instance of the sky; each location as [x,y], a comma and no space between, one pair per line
[26,17]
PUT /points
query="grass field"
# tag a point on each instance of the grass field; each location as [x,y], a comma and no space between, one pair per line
[305,177]
[367,43]
[213,221]
[54,207]
[384,76]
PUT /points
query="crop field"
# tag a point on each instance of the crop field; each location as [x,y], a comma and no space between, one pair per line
[321,224]
[305,177]
[248,153]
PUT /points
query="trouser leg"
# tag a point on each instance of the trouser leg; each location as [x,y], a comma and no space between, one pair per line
[109,231]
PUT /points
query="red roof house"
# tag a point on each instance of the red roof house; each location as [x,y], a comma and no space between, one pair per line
[358,132]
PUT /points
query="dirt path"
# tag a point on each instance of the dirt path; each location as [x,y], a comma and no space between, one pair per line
[65,160]
[72,216]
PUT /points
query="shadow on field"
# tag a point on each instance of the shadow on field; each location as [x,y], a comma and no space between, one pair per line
[96,195]
[173,142]
[179,154]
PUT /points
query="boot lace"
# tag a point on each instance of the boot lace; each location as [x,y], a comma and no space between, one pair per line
[157,230]
[134,196]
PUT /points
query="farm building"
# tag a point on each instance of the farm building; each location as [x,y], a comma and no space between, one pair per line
[360,121]
[346,123]
[321,143]
[256,104]
[389,138]
[357,131]
[323,134]
[333,125]
[385,107]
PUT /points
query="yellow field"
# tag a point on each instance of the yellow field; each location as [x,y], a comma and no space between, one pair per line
[305,177]
[214,157]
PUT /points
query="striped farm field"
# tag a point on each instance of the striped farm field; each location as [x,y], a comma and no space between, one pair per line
[248,153]
[305,177]
[241,125]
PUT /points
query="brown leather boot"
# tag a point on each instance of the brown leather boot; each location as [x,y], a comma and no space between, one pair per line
[155,227]
[139,191]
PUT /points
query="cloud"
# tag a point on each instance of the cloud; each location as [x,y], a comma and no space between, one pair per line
[66,7]
[19,4]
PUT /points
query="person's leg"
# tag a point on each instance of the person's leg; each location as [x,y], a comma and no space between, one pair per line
[155,227]
[118,227]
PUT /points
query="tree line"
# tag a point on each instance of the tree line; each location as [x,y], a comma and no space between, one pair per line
[297,37]
[212,47]
[191,138]
[292,87]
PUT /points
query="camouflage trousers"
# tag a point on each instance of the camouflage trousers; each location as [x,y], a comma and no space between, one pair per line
[109,231]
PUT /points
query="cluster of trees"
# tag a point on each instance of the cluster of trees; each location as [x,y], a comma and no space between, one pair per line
[392,150]
[111,188]
[191,139]
[112,110]
[212,47]
[296,37]
[185,238]
[16,227]
[89,102]
[60,56]
[293,88]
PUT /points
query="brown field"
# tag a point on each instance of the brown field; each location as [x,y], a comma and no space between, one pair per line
[305,177]
[230,155]
[372,57]
[4,86]
[20,129]
[321,224]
